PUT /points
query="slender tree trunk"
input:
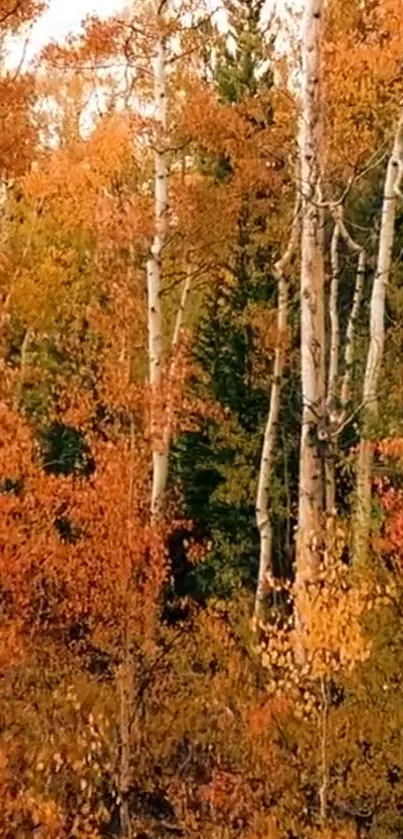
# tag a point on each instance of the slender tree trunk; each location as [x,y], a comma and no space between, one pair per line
[171,385]
[376,341]
[333,375]
[263,519]
[181,311]
[161,409]
[311,477]
[126,686]
[159,455]
[351,334]
[337,406]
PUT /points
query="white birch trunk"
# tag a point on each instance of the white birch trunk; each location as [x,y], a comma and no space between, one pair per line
[351,333]
[161,410]
[311,478]
[263,520]
[376,340]
[181,311]
[333,374]
[159,455]
[337,407]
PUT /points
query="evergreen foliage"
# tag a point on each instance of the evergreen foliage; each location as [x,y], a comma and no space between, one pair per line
[218,465]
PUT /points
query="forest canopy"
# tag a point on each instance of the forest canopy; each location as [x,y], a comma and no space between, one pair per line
[201,427]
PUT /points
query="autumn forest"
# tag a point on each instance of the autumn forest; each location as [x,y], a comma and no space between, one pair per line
[201,422]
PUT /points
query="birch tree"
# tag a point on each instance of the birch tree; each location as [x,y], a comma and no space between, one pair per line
[159,453]
[263,512]
[339,393]
[162,376]
[311,480]
[391,194]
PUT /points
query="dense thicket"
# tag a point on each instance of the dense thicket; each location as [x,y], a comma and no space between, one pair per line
[200,378]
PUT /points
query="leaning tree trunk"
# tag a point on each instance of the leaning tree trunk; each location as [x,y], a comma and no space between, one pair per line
[376,342]
[159,453]
[263,519]
[311,478]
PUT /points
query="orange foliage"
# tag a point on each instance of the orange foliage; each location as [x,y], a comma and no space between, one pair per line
[388,541]
[17,95]
[230,737]
[363,84]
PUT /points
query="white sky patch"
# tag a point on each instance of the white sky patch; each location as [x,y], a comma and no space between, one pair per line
[62,18]
[65,16]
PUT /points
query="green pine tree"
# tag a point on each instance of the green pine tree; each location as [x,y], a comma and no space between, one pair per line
[218,466]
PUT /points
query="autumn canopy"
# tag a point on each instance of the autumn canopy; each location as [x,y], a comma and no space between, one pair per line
[201,428]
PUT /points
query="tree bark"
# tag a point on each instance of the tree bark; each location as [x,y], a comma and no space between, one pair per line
[337,406]
[351,332]
[376,342]
[263,519]
[311,477]
[159,455]
[161,405]
[333,375]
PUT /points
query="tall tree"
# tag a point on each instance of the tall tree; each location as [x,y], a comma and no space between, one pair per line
[263,505]
[311,477]
[159,441]
[391,196]
[237,316]
[355,142]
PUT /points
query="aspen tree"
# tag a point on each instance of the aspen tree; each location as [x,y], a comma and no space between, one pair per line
[159,453]
[311,479]
[270,436]
[339,394]
[163,391]
[391,194]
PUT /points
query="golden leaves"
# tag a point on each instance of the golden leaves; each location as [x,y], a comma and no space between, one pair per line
[326,635]
[363,87]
